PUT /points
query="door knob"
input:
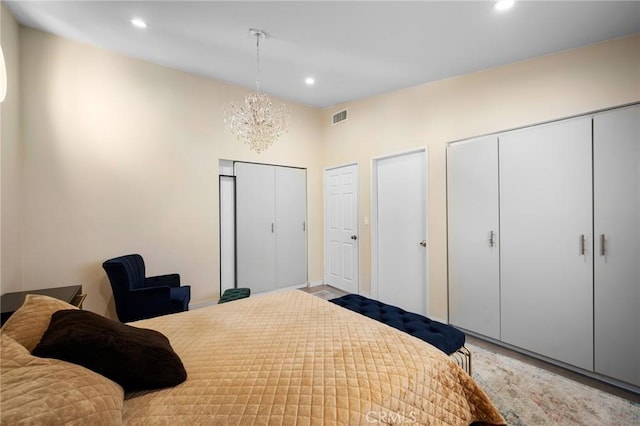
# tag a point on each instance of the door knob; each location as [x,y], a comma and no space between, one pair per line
[354,237]
[423,243]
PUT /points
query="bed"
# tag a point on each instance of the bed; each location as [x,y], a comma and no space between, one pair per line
[283,358]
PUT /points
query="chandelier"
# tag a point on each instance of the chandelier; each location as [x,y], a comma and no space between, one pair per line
[258,122]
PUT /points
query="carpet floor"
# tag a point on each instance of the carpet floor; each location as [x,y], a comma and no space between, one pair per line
[528,395]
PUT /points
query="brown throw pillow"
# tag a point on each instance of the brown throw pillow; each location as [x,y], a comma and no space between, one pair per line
[135,358]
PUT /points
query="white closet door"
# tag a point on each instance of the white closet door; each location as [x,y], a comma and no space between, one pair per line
[255,226]
[290,226]
[617,264]
[546,243]
[474,256]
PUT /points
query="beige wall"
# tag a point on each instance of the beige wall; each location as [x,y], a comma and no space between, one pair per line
[10,161]
[121,156]
[546,88]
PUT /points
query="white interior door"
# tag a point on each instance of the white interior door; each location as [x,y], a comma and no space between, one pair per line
[546,225]
[341,227]
[290,226]
[401,230]
[616,145]
[255,226]
[474,256]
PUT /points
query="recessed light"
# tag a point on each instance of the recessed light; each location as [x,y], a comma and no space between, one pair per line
[501,5]
[138,23]
[309,81]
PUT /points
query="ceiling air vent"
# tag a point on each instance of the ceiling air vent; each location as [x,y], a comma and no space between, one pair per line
[339,117]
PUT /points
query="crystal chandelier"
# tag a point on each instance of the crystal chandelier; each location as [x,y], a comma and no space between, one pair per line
[258,123]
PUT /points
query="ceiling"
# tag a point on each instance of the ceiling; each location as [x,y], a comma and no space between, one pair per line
[353,49]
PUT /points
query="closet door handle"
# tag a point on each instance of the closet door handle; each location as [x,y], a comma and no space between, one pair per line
[603,245]
[582,245]
[272,228]
[492,239]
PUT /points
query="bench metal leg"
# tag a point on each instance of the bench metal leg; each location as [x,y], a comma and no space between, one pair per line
[462,357]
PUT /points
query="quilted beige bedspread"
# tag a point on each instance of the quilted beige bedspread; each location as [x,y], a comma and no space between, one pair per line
[294,359]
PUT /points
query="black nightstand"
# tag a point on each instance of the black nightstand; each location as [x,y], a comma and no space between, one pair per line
[10,302]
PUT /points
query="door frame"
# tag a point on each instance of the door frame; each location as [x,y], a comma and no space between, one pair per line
[324,221]
[227,225]
[374,218]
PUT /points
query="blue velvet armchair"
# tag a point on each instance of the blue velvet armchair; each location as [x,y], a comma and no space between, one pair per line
[139,297]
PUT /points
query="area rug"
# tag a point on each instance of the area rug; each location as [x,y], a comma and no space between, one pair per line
[528,395]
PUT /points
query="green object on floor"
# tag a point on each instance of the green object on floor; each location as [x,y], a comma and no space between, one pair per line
[234,294]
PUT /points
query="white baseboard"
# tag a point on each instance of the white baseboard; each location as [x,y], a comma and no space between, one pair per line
[215,301]
[279,290]
[204,304]
[438,319]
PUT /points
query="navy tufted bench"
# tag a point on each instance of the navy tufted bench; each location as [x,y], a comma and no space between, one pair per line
[448,339]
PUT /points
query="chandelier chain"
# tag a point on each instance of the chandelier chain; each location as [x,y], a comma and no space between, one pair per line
[258,62]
